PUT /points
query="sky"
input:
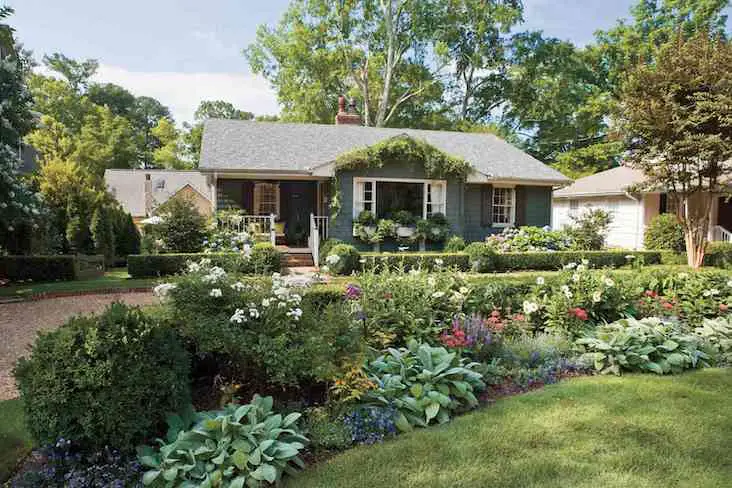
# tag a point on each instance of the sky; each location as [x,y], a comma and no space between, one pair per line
[185,51]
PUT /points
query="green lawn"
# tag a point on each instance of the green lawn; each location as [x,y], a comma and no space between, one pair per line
[15,442]
[116,278]
[599,432]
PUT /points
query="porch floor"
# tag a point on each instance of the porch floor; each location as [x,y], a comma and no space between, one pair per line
[294,250]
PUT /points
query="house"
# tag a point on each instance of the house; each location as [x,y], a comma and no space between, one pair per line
[632,211]
[288,171]
[141,191]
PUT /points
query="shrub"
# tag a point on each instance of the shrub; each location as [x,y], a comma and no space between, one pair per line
[326,431]
[718,254]
[665,231]
[102,230]
[38,268]
[717,334]
[224,239]
[343,259]
[183,229]
[423,384]
[647,345]
[239,446]
[104,380]
[482,257]
[261,329]
[556,260]
[588,230]
[455,244]
[379,262]
[126,234]
[325,248]
[528,239]
[262,259]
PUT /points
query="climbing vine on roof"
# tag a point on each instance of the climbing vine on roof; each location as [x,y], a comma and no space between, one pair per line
[405,150]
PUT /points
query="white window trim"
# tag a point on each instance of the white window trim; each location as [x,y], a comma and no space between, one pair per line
[513,207]
[257,197]
[357,198]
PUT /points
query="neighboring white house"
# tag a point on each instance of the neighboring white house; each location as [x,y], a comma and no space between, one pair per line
[631,211]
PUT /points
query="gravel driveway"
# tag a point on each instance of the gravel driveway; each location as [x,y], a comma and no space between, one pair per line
[20,321]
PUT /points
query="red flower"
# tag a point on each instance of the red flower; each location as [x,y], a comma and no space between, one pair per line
[723,307]
[667,305]
[579,313]
[650,293]
[387,296]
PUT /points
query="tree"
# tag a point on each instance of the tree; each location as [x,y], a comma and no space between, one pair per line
[20,207]
[168,155]
[126,234]
[120,101]
[76,73]
[376,50]
[220,109]
[677,118]
[102,231]
[183,228]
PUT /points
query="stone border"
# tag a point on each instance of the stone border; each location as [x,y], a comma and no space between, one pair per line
[62,294]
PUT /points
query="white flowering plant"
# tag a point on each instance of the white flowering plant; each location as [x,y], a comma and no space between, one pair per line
[260,326]
[222,239]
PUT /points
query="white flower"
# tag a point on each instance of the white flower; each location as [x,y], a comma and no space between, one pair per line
[586,262]
[438,294]
[629,257]
[163,289]
[540,280]
[215,292]
[581,267]
[575,277]
[266,302]
[214,274]
[11,228]
[238,316]
[530,307]
[333,259]
[565,290]
[457,297]
[683,276]
[464,290]
[729,283]
[609,283]
[710,293]
[295,313]
[431,281]
[597,296]
[439,262]
[570,266]
[254,313]
[362,260]
[238,286]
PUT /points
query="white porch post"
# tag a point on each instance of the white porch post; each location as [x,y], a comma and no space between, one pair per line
[214,184]
[272,233]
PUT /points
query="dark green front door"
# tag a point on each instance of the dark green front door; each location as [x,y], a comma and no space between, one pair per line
[297,202]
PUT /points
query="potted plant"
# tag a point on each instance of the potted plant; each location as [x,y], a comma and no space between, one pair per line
[438,226]
[405,228]
[364,227]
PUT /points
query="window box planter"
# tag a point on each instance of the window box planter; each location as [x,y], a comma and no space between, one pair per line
[405,232]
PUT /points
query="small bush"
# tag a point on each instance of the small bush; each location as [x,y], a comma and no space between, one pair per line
[665,232]
[325,248]
[343,259]
[326,431]
[183,229]
[264,259]
[482,257]
[38,268]
[529,239]
[105,380]
[455,244]
[718,254]
[588,231]
[408,261]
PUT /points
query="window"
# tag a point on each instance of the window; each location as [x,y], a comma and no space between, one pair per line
[573,208]
[434,198]
[160,184]
[504,206]
[266,199]
[385,197]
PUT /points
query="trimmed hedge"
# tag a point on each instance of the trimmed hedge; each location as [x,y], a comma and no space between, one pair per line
[426,261]
[39,268]
[718,254]
[558,259]
[264,259]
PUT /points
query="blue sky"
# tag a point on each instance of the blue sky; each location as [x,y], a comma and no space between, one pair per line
[185,51]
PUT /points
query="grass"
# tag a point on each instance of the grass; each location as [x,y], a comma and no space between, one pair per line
[15,443]
[116,279]
[635,431]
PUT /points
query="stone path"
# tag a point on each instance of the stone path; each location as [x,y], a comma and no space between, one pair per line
[19,323]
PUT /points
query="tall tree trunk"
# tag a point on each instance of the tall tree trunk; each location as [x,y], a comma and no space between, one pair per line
[695,210]
[387,6]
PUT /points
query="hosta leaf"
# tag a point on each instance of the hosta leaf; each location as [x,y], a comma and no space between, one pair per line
[285,451]
[669,345]
[431,411]
[291,419]
[238,482]
[265,472]
[170,473]
[402,423]
[240,458]
[655,367]
[416,390]
[149,477]
[241,412]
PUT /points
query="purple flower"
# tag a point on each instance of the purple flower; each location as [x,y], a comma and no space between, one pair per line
[353,292]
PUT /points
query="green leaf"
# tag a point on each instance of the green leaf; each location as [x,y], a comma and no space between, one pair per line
[416,390]
[265,472]
[291,419]
[431,411]
[240,458]
[238,482]
[150,476]
[402,423]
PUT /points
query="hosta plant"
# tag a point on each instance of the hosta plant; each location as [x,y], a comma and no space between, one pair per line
[717,334]
[423,384]
[242,445]
[647,345]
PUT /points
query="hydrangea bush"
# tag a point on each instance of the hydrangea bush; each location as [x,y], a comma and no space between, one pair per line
[530,239]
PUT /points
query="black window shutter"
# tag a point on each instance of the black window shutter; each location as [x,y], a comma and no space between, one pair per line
[520,206]
[486,205]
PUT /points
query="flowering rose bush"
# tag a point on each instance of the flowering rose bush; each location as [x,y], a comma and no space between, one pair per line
[260,325]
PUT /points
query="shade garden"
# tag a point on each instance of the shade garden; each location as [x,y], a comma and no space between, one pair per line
[242,380]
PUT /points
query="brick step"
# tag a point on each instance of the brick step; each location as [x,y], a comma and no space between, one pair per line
[296,260]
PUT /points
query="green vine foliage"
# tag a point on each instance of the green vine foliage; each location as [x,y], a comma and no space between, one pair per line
[405,150]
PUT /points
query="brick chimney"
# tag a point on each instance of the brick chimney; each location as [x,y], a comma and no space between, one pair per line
[347,116]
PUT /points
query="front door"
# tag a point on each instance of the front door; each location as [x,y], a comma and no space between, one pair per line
[297,202]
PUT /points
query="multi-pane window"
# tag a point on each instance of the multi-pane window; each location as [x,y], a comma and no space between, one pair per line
[504,206]
[573,208]
[267,199]
[434,198]
[365,197]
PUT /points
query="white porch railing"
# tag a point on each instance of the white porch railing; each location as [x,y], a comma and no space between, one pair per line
[318,232]
[720,234]
[262,227]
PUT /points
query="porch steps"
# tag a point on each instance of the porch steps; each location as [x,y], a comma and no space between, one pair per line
[296,260]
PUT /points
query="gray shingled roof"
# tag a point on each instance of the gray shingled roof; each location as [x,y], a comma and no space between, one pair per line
[272,146]
[615,181]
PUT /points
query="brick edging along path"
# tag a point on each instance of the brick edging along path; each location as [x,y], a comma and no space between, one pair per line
[46,295]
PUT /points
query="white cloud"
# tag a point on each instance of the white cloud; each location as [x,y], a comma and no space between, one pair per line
[182,92]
